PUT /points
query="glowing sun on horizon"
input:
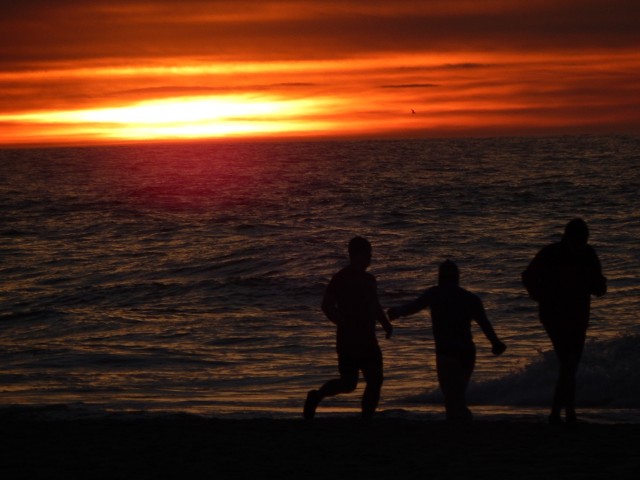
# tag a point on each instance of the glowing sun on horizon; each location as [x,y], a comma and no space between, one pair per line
[188,117]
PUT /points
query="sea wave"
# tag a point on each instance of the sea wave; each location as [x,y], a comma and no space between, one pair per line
[609,376]
[132,275]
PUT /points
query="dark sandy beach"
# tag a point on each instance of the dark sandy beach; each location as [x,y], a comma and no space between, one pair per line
[194,447]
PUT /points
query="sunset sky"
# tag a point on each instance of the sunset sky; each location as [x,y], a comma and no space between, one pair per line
[120,70]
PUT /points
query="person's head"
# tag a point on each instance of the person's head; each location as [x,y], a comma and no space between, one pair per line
[448,273]
[360,252]
[576,234]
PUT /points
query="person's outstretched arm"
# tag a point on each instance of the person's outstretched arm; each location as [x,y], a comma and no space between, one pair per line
[410,308]
[532,277]
[480,316]
[330,305]
[597,281]
[378,311]
[384,321]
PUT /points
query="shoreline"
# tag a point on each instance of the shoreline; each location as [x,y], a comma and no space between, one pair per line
[331,410]
[189,446]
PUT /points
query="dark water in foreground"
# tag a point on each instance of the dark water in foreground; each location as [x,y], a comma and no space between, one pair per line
[188,277]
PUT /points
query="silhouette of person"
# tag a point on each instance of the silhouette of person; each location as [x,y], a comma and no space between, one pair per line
[561,278]
[452,309]
[351,303]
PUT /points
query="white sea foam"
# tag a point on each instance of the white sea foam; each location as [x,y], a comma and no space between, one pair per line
[609,376]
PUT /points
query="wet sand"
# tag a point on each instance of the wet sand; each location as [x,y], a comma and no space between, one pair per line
[190,447]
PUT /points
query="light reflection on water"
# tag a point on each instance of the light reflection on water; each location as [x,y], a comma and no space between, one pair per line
[171,275]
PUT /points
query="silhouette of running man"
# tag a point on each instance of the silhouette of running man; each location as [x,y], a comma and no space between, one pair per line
[561,278]
[351,303]
[452,309]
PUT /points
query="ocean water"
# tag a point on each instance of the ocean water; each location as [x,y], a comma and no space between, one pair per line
[188,277]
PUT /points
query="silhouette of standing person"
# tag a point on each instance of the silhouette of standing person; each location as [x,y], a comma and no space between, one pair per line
[452,310]
[351,303]
[561,278]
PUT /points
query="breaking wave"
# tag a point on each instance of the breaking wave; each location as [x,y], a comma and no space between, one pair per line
[609,376]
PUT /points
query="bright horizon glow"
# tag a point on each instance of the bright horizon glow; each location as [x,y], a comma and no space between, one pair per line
[192,70]
[190,117]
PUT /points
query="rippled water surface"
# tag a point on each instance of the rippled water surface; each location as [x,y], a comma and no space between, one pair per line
[189,277]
